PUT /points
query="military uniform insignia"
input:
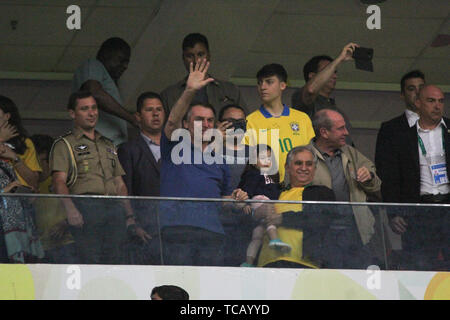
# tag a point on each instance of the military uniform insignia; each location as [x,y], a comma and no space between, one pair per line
[81,148]
[112,151]
[85,165]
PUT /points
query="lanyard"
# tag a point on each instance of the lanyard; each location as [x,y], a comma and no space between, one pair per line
[422,146]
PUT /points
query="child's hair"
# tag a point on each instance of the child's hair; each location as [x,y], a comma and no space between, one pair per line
[261,148]
[258,149]
[42,143]
[273,69]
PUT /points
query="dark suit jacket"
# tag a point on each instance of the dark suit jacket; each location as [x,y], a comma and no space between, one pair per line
[141,168]
[399,164]
[383,149]
[142,179]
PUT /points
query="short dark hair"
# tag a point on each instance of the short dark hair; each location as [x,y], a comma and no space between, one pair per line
[192,39]
[313,65]
[201,104]
[169,292]
[144,96]
[42,142]
[410,75]
[111,46]
[229,106]
[273,69]
[74,97]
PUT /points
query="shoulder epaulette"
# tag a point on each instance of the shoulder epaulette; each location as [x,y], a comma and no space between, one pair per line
[73,170]
[63,136]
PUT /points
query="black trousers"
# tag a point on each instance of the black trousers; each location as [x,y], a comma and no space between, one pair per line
[102,238]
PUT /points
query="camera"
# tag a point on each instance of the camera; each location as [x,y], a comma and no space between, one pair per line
[238,124]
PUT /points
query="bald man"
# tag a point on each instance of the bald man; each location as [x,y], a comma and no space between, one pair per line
[418,173]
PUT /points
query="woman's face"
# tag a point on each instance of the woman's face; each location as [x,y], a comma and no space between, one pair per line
[4,117]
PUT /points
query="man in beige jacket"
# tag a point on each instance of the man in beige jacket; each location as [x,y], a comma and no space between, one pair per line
[353,178]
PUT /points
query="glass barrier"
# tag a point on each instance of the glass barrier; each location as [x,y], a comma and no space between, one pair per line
[213,232]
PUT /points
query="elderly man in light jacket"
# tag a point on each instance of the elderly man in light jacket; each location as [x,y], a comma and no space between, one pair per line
[353,178]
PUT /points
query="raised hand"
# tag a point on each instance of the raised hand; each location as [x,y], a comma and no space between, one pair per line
[197,75]
[7,132]
[347,51]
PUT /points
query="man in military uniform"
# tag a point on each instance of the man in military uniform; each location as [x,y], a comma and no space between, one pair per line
[84,162]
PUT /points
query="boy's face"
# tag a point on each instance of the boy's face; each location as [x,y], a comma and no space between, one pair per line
[270,88]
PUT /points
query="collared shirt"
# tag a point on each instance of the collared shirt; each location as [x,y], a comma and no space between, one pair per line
[338,182]
[412,117]
[432,140]
[96,161]
[339,185]
[154,148]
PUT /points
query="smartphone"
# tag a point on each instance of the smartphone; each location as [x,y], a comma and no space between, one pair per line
[363,58]
[362,53]
[238,124]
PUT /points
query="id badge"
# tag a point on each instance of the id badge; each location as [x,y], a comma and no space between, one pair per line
[439,173]
[438,169]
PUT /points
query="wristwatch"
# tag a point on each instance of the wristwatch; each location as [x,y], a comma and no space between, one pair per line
[16,160]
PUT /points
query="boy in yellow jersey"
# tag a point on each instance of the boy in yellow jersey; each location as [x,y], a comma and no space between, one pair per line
[274,123]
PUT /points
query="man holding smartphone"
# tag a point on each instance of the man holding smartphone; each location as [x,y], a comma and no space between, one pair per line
[320,74]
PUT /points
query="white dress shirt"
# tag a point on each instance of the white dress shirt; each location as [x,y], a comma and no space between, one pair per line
[432,140]
[154,148]
[412,117]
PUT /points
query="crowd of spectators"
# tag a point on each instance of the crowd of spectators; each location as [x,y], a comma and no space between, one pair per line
[197,140]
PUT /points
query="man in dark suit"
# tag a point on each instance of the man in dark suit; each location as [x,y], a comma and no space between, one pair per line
[410,85]
[140,158]
[417,171]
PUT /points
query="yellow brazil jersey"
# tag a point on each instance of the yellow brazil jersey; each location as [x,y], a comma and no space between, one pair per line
[293,128]
[293,237]
[30,159]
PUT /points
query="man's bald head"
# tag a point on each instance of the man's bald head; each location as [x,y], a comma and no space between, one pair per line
[329,127]
[428,88]
[430,106]
[325,118]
